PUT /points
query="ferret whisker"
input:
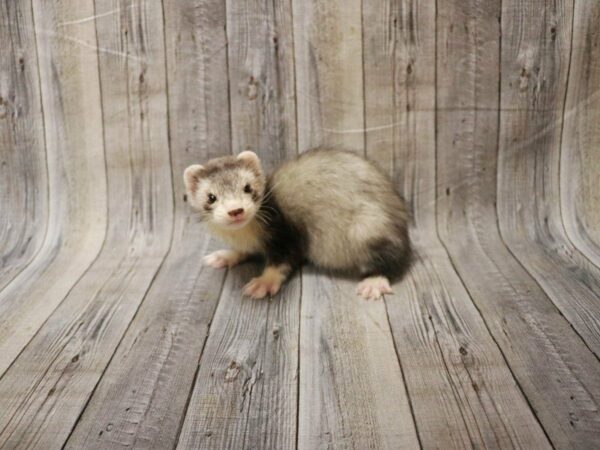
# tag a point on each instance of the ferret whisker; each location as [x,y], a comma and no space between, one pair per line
[268,194]
[330,207]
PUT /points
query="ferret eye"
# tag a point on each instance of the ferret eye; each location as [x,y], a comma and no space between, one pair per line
[212,198]
[248,189]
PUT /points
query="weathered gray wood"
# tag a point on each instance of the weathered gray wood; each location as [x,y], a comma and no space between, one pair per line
[249,377]
[245,391]
[546,357]
[23,173]
[461,390]
[47,387]
[535,60]
[329,82]
[76,178]
[352,394]
[141,399]
[106,343]
[261,77]
[351,389]
[580,158]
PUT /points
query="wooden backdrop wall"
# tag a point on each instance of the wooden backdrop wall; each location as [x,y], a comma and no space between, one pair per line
[485,113]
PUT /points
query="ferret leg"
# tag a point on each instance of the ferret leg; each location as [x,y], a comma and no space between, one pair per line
[373,288]
[269,282]
[224,258]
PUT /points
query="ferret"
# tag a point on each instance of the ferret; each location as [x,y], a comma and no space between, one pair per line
[331,208]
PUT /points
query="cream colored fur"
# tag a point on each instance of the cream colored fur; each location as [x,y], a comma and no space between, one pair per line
[341,214]
[224,258]
[343,203]
[244,240]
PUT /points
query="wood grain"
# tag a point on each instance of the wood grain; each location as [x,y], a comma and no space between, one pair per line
[351,390]
[459,384]
[351,394]
[141,399]
[245,391]
[484,114]
[535,61]
[23,173]
[76,179]
[47,387]
[329,82]
[547,358]
[580,159]
[251,358]
[261,77]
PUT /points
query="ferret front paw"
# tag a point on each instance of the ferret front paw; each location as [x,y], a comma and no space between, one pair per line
[373,288]
[222,258]
[262,286]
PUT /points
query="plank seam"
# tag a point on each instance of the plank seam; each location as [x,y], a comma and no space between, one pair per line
[168,117]
[503,238]
[300,271]
[450,258]
[441,241]
[117,346]
[362,66]
[562,127]
[165,255]
[231,149]
[45,238]
[299,341]
[195,378]
[499,232]
[259,377]
[561,147]
[499,347]
[93,261]
[293,38]
[547,295]
[408,396]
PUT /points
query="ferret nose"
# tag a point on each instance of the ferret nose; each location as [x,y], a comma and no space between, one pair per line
[236,212]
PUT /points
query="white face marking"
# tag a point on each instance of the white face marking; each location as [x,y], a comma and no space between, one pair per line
[232,207]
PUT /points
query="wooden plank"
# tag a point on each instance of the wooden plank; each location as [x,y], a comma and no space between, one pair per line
[461,390]
[580,159]
[76,179]
[141,399]
[329,82]
[261,76]
[49,384]
[245,394]
[553,367]
[352,394]
[23,173]
[351,388]
[535,60]
[245,391]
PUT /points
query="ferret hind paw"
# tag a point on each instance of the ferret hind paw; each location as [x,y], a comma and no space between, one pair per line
[373,288]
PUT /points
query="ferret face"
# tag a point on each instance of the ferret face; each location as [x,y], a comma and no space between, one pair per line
[226,191]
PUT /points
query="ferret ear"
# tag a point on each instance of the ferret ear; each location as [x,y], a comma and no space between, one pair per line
[191,176]
[250,158]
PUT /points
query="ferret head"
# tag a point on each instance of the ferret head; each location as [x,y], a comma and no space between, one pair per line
[226,191]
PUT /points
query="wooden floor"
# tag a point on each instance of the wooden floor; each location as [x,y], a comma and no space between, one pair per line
[485,114]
